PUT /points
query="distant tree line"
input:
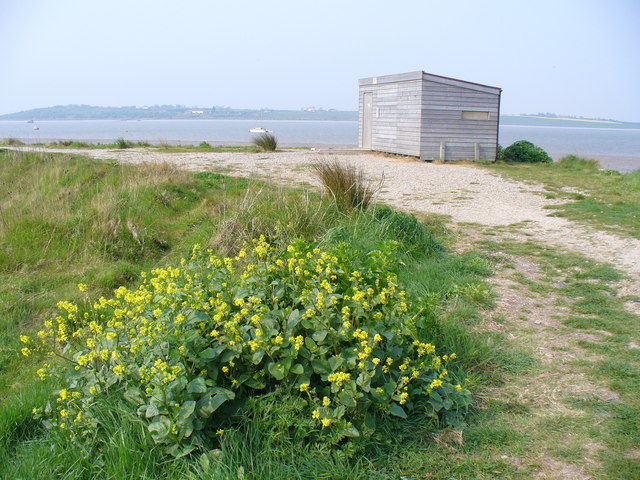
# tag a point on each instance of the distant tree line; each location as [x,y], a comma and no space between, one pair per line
[172,112]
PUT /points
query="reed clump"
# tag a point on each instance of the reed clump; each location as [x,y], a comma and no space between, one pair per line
[346,183]
[266,142]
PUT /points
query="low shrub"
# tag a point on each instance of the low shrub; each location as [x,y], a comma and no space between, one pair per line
[193,343]
[346,183]
[266,142]
[523,151]
[204,145]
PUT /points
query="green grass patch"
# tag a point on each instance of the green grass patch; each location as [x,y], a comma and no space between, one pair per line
[69,220]
[588,290]
[609,199]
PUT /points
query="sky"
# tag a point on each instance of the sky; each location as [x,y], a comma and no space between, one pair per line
[572,57]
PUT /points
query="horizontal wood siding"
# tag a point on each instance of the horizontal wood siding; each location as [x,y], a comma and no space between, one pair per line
[442,122]
[396,127]
[417,112]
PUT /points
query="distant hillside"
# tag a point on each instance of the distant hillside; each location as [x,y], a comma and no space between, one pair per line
[551,120]
[179,112]
[173,112]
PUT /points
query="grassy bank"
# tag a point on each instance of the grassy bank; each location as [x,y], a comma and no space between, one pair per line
[68,219]
[605,199]
[121,144]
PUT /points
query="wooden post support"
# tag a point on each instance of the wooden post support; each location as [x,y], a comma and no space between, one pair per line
[442,151]
[476,151]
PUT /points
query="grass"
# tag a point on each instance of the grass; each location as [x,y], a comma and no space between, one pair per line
[121,143]
[69,219]
[600,434]
[606,199]
[346,183]
[265,142]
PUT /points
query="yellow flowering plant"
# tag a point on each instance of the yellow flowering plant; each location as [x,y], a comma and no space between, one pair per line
[192,342]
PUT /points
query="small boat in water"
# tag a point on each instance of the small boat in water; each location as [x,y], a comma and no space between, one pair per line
[30,121]
[260,130]
[36,128]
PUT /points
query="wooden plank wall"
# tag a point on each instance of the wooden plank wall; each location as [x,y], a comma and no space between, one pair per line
[396,117]
[442,121]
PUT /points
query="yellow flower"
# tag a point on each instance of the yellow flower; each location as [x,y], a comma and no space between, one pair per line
[82,287]
[326,422]
[326,401]
[316,414]
[220,431]
[118,370]
[24,339]
[458,388]
[304,387]
[435,384]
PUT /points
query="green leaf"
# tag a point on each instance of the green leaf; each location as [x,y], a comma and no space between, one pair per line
[310,344]
[133,395]
[319,335]
[208,404]
[257,356]
[208,354]
[335,362]
[186,410]
[228,355]
[351,432]
[297,369]
[160,429]
[179,451]
[294,319]
[321,366]
[151,411]
[255,383]
[346,398]
[197,385]
[276,370]
[435,400]
[397,410]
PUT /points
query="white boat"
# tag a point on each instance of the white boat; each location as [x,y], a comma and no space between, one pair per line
[36,128]
[260,129]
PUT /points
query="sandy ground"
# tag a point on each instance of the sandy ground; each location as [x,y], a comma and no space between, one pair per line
[465,193]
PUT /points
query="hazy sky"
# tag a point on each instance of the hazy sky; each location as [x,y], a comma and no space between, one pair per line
[578,57]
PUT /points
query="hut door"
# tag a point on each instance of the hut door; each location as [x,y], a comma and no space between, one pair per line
[366,120]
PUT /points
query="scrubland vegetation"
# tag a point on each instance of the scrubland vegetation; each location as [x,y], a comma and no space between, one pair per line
[157,323]
[298,339]
[604,198]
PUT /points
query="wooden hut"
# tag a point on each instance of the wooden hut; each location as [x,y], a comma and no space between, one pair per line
[429,116]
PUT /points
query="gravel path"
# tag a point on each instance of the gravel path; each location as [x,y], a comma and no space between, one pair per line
[465,193]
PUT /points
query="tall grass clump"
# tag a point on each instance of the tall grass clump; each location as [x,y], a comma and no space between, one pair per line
[11,142]
[346,183]
[122,143]
[266,142]
[578,164]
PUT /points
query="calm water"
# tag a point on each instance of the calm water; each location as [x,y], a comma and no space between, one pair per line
[615,148]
